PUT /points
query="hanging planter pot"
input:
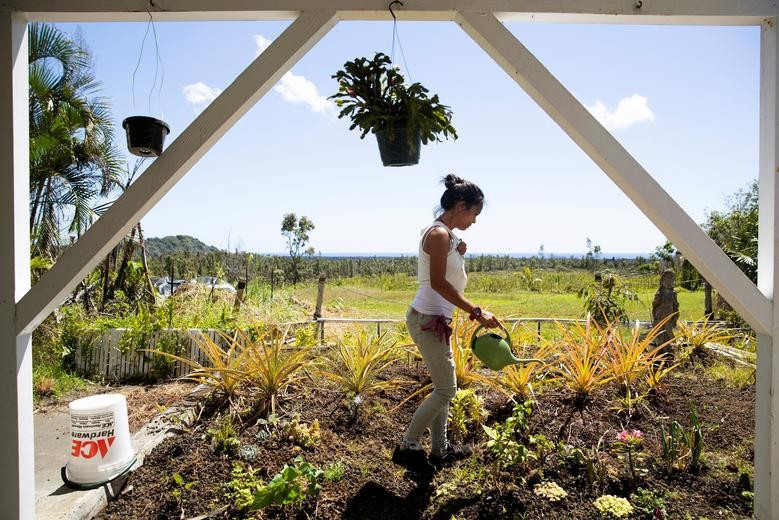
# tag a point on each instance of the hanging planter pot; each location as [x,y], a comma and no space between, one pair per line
[145,135]
[372,92]
[394,146]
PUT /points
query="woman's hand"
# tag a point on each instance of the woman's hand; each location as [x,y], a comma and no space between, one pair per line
[488,320]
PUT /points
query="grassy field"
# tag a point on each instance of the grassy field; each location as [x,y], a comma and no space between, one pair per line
[389,297]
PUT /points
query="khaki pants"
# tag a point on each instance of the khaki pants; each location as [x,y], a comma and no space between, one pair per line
[433,412]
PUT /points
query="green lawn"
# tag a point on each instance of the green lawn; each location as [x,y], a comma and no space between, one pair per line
[371,302]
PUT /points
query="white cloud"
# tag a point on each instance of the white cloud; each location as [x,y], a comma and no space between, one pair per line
[297,89]
[200,94]
[629,111]
[262,43]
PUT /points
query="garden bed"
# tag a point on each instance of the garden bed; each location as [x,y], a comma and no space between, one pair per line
[184,478]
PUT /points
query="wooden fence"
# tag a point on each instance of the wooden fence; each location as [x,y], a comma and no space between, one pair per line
[106,358]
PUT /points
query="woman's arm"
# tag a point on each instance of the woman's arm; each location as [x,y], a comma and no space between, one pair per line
[437,246]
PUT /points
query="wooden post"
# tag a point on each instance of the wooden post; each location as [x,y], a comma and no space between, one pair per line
[709,310]
[17,474]
[766,443]
[239,296]
[320,296]
[538,327]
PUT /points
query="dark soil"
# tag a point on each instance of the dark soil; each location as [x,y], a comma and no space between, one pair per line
[374,488]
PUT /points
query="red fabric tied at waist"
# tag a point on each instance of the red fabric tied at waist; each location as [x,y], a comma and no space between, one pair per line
[440,326]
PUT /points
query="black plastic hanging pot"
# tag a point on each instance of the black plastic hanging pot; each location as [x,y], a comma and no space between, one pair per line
[394,146]
[145,135]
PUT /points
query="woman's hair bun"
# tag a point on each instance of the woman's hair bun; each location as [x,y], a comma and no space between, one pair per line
[452,180]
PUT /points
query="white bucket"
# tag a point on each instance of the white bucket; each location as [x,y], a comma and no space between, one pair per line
[100,448]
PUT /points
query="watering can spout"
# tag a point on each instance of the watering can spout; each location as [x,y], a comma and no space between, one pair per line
[495,351]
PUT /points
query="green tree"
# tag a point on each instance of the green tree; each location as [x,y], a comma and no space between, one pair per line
[296,232]
[73,159]
[735,230]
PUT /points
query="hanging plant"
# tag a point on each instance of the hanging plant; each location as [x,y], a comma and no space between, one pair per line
[376,97]
[145,134]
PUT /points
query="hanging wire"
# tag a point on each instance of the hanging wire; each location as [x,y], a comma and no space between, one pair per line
[140,56]
[396,36]
[157,64]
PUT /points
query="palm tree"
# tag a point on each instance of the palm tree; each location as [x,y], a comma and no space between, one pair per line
[73,160]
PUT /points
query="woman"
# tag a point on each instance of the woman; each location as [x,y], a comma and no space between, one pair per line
[442,279]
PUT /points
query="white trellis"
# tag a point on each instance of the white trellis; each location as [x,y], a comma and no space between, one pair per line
[22,307]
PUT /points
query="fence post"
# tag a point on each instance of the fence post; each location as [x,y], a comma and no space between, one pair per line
[538,328]
[320,296]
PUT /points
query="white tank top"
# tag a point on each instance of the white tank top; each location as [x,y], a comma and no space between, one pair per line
[427,299]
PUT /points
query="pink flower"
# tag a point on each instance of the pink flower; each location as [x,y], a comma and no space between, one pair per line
[629,436]
[351,92]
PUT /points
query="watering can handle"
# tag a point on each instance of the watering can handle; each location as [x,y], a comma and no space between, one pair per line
[508,339]
[476,334]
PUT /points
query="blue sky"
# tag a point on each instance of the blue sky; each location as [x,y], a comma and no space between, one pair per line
[682,100]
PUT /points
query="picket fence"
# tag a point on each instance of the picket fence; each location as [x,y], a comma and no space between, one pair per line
[104,358]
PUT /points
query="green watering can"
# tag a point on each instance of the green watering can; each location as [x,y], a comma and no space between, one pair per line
[495,351]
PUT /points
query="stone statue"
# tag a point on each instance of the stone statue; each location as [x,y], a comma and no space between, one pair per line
[665,304]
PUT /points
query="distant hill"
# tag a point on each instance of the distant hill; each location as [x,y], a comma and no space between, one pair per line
[171,245]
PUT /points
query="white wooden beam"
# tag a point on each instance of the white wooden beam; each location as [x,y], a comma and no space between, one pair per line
[620,166]
[166,170]
[17,477]
[767,379]
[688,12]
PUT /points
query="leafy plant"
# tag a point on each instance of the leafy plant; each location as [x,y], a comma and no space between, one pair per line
[693,337]
[628,358]
[655,376]
[358,364]
[242,486]
[224,438]
[580,365]
[180,485]
[272,365]
[376,97]
[172,342]
[611,506]
[542,447]
[679,444]
[504,444]
[531,279]
[605,300]
[629,402]
[465,412]
[334,472]
[550,490]
[224,370]
[248,452]
[648,504]
[291,485]
[302,434]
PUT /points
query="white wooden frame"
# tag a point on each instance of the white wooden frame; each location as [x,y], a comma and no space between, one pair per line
[22,310]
